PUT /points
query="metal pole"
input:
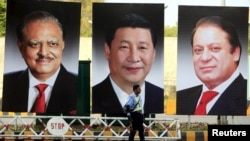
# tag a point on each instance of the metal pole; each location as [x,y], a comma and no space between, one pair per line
[223,2]
[218,120]
[224,120]
[189,122]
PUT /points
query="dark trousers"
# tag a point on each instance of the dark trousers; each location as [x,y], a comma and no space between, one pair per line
[137,124]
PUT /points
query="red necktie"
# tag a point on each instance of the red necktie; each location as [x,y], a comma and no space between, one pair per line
[39,105]
[206,97]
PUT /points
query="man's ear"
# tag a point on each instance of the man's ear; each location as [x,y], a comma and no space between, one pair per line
[106,51]
[236,53]
[63,44]
[20,45]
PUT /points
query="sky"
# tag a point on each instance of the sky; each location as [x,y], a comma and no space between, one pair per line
[171,6]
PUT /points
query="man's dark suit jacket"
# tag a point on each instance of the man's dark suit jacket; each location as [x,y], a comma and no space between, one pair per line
[233,100]
[104,99]
[62,99]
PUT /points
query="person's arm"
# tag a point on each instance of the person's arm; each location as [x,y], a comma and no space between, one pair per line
[128,108]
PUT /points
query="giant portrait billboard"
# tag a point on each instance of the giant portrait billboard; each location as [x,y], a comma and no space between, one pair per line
[212,49]
[127,49]
[41,57]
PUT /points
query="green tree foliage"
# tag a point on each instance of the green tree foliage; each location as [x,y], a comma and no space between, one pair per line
[2,17]
[86,20]
[86,17]
[170,31]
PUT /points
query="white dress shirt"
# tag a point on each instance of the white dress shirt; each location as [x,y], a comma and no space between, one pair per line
[123,96]
[220,89]
[33,92]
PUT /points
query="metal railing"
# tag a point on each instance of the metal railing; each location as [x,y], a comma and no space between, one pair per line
[87,128]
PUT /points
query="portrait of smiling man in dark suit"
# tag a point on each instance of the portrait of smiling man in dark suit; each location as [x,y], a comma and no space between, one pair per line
[218,55]
[34,56]
[131,47]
